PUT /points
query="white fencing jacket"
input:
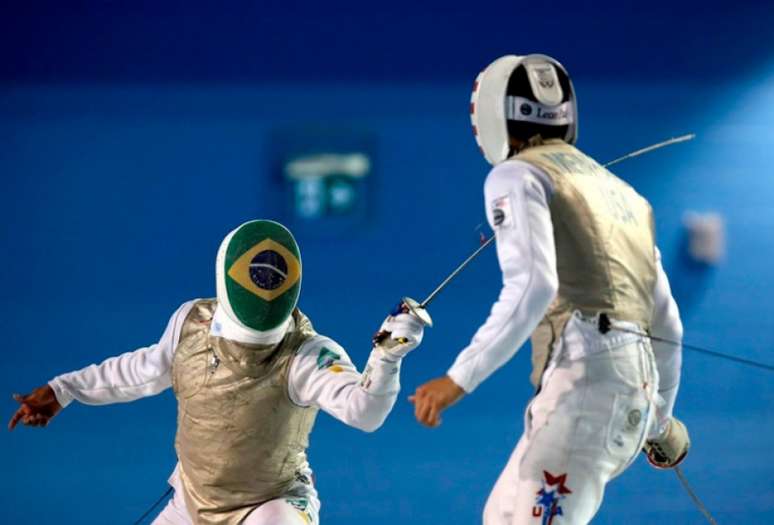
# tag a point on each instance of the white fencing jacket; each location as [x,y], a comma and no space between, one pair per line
[337,388]
[527,258]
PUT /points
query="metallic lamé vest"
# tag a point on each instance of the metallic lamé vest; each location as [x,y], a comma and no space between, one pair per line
[240,439]
[605,246]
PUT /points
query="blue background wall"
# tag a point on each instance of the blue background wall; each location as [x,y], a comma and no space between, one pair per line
[134,139]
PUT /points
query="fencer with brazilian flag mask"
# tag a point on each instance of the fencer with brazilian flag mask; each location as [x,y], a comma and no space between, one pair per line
[250,374]
[576,249]
[258,279]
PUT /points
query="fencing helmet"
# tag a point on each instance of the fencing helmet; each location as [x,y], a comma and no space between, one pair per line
[520,97]
[258,278]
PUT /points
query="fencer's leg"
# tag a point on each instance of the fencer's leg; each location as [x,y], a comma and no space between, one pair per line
[175,512]
[541,480]
[500,503]
[557,492]
[587,425]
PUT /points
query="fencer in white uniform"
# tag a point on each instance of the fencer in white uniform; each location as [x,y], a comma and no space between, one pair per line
[329,381]
[582,276]
[247,391]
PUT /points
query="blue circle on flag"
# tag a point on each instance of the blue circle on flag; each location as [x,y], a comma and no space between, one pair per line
[268,270]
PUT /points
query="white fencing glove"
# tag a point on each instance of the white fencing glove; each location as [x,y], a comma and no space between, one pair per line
[670,448]
[400,333]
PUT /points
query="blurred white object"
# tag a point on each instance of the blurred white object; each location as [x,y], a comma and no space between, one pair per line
[706,236]
[355,165]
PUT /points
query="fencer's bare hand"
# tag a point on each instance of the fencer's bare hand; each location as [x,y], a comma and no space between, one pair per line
[36,409]
[434,397]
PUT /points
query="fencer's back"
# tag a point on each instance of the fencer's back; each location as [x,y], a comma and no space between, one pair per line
[240,439]
[605,244]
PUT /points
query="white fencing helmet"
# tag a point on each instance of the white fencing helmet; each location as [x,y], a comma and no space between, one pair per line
[258,280]
[543,100]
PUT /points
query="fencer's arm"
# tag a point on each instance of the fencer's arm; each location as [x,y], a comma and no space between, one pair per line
[666,324]
[129,376]
[517,206]
[323,375]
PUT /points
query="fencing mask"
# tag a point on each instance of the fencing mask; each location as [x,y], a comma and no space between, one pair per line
[522,96]
[258,274]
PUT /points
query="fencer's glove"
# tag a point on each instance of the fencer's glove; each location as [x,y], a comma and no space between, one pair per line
[400,333]
[670,448]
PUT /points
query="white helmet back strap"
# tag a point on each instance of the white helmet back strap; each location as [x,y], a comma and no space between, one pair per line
[525,110]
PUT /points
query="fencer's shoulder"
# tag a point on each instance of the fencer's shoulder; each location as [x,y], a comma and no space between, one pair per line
[199,310]
[511,168]
[318,356]
[516,173]
[185,308]
[313,346]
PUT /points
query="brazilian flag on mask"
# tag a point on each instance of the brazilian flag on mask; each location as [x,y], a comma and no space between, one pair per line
[259,274]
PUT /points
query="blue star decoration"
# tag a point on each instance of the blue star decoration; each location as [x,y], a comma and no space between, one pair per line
[547,502]
[547,498]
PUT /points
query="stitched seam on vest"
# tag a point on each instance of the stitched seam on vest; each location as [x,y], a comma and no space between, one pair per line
[285,377]
[186,332]
[556,183]
[292,359]
[612,292]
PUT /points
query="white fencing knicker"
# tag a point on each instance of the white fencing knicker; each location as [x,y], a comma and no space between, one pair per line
[586,425]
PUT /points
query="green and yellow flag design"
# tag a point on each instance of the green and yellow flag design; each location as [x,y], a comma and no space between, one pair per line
[263,274]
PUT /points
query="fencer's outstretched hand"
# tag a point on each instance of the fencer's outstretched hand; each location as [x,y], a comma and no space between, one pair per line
[670,448]
[434,397]
[399,334]
[37,408]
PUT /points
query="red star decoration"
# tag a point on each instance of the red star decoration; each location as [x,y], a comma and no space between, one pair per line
[552,480]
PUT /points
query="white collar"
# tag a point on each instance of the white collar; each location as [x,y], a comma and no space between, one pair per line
[227,328]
